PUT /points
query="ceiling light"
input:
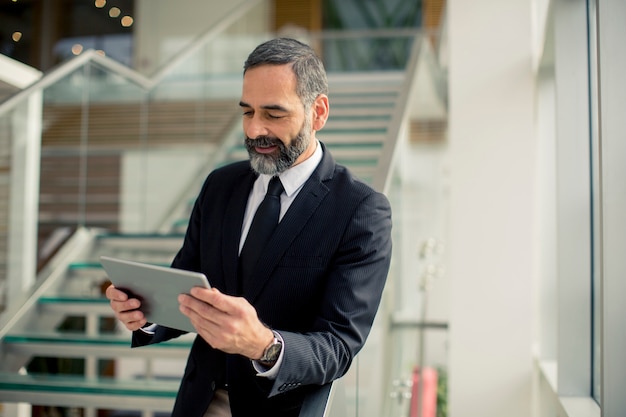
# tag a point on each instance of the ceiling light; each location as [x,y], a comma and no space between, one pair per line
[114,12]
[100,3]
[77,49]
[127,21]
[16,36]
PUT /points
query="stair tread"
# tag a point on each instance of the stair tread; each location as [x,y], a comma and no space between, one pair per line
[82,339]
[64,345]
[88,385]
[136,394]
[72,299]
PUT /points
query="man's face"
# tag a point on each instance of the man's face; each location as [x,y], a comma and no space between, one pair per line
[278,132]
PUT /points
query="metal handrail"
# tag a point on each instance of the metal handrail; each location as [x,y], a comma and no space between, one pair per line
[70,66]
[54,272]
[16,73]
[382,177]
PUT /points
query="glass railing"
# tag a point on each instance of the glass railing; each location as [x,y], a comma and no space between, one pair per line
[158,133]
[116,147]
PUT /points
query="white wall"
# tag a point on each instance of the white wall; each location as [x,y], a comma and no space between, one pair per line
[492,160]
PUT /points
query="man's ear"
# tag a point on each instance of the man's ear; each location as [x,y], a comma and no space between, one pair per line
[320,111]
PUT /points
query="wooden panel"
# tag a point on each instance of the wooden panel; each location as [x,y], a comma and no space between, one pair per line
[305,14]
[428,131]
[432,13]
[125,124]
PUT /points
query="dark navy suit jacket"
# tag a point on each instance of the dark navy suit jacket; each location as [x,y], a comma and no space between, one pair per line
[318,283]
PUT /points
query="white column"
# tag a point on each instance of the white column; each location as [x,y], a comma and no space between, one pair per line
[490,244]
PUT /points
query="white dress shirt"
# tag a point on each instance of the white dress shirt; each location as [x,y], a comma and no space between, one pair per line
[293,180]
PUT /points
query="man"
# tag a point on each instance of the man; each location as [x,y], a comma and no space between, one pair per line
[272,330]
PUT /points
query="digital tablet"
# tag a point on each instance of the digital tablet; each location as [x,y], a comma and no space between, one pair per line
[157,287]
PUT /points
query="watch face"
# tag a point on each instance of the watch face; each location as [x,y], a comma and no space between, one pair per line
[272,352]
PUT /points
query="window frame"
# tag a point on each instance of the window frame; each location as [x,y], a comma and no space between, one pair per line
[588,92]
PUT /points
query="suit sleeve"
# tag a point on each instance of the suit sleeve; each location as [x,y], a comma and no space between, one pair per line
[349,303]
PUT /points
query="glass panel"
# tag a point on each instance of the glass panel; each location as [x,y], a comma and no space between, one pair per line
[417,357]
[404,362]
[115,152]
[367,53]
[191,117]
[596,278]
[91,118]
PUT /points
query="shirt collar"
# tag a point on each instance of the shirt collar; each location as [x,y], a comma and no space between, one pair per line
[295,177]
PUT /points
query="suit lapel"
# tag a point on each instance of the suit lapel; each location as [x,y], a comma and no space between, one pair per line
[231,236]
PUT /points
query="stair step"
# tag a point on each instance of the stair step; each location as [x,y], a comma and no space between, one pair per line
[150,243]
[359,118]
[344,110]
[354,86]
[346,146]
[348,123]
[76,391]
[349,100]
[78,304]
[376,104]
[68,345]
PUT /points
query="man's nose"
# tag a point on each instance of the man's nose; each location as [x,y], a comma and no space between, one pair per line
[254,127]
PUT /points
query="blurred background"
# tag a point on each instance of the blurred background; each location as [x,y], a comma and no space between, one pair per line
[493,128]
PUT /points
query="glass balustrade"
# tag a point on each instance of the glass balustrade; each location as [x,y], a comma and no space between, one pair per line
[127,153]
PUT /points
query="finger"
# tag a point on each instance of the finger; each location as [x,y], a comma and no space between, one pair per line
[204,294]
[225,303]
[205,318]
[190,305]
[134,319]
[135,325]
[113,293]
[131,304]
[205,327]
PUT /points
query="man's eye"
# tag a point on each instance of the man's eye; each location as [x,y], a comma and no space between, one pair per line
[272,116]
[247,114]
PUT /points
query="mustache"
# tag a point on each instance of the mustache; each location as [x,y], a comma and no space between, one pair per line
[263,141]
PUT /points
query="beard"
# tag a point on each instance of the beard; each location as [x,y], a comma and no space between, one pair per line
[274,164]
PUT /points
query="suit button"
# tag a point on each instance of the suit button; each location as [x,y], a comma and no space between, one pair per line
[213,385]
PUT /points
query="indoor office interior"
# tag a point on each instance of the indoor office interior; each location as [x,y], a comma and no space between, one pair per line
[494,128]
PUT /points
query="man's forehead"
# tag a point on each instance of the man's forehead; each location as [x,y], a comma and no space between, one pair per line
[269,85]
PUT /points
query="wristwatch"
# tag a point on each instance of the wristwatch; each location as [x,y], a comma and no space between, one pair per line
[272,351]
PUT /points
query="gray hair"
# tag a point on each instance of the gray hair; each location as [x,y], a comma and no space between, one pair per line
[308,68]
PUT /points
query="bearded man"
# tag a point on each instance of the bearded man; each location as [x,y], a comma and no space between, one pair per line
[287,312]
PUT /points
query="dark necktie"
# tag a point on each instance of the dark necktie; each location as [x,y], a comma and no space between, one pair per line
[263,225]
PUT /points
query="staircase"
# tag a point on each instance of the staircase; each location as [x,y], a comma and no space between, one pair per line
[63,348]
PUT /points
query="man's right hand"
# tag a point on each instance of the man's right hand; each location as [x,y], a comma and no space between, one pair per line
[126,309]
